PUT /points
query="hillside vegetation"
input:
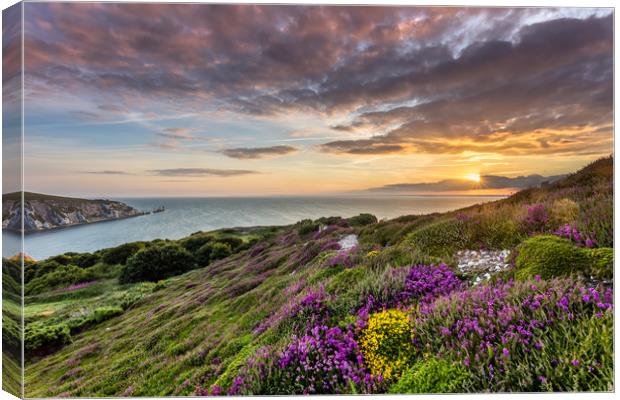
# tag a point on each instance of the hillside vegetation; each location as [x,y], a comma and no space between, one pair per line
[285,310]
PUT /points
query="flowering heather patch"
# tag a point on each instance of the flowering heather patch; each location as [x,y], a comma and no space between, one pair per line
[331,244]
[323,361]
[344,258]
[426,282]
[307,253]
[303,311]
[402,287]
[324,231]
[77,286]
[288,239]
[572,233]
[257,249]
[537,219]
[213,390]
[491,329]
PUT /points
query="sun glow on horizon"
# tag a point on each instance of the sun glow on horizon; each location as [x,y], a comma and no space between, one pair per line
[473,177]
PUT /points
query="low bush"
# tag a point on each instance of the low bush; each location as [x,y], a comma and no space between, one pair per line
[600,262]
[362,220]
[63,275]
[195,241]
[345,280]
[233,242]
[548,256]
[386,343]
[441,238]
[212,251]
[136,293]
[432,376]
[120,254]
[63,259]
[307,226]
[40,338]
[155,263]
[220,250]
[85,260]
[104,313]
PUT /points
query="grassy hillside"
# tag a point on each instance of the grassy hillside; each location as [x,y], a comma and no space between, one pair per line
[287,310]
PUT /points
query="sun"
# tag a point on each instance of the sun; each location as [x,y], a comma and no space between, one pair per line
[473,177]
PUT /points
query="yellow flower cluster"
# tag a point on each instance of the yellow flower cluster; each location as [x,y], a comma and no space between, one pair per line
[372,253]
[387,343]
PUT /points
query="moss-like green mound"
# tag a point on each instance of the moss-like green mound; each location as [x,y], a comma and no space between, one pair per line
[441,238]
[601,262]
[548,256]
[431,376]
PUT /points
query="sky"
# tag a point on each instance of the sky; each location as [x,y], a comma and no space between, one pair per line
[243,100]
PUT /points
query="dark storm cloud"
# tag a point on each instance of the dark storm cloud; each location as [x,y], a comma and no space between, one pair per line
[413,79]
[258,152]
[202,172]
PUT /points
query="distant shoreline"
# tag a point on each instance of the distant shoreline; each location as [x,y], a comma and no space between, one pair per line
[62,227]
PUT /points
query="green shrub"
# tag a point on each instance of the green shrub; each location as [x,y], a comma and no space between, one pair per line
[85,260]
[494,231]
[155,263]
[45,338]
[220,250]
[39,269]
[104,313]
[548,256]
[362,220]
[441,238]
[64,275]
[432,376]
[196,241]
[11,277]
[345,280]
[63,259]
[11,334]
[232,241]
[136,293]
[120,254]
[212,251]
[307,226]
[601,262]
[324,273]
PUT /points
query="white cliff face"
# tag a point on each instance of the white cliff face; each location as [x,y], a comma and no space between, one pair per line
[48,212]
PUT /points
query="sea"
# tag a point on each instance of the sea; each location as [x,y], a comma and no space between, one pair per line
[183,216]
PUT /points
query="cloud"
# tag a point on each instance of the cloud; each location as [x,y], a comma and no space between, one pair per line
[486,182]
[107,172]
[414,79]
[176,135]
[245,153]
[202,172]
[507,98]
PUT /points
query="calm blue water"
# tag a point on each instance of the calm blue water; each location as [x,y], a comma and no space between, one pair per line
[184,216]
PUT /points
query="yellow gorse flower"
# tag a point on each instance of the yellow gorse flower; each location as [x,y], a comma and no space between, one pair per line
[372,253]
[387,343]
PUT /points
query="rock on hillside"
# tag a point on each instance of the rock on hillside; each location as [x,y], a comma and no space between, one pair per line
[43,212]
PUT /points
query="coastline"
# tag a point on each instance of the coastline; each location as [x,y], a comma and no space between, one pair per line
[63,227]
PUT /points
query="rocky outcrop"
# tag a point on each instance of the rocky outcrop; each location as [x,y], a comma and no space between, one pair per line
[43,212]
